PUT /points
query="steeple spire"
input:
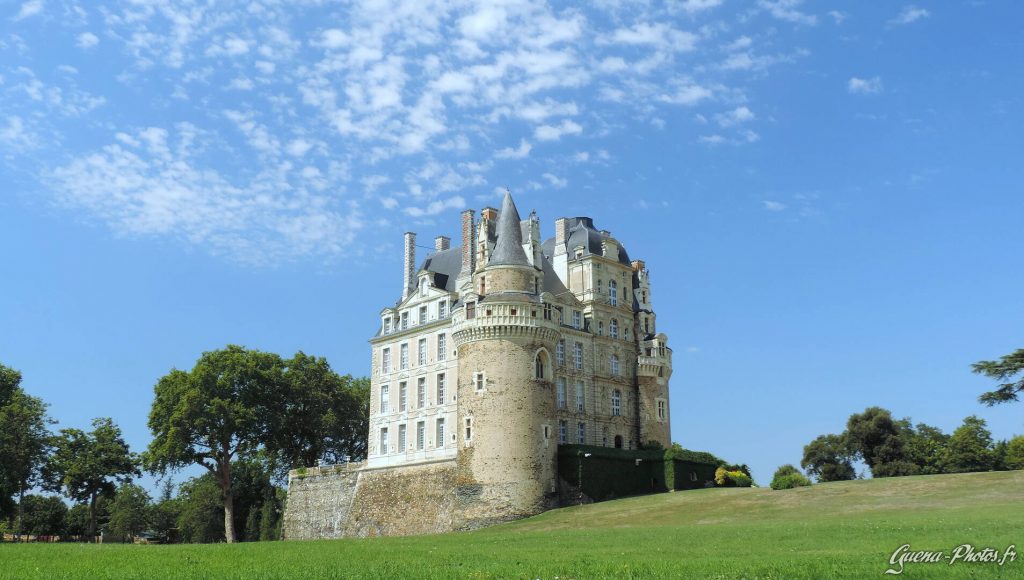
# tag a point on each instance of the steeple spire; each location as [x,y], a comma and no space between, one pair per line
[508,249]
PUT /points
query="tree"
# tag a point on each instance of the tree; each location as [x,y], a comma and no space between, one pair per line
[926,447]
[201,510]
[325,415]
[788,477]
[130,512]
[87,465]
[165,513]
[1015,453]
[228,406]
[970,447]
[24,445]
[43,515]
[10,380]
[876,438]
[827,458]
[1004,369]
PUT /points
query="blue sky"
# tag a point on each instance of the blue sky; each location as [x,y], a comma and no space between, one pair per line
[828,194]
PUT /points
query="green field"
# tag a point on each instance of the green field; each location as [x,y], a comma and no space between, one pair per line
[847,529]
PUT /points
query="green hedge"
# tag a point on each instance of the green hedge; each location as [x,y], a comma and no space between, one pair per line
[604,473]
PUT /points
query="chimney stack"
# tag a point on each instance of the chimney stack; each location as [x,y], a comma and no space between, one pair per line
[561,234]
[468,243]
[410,264]
[442,243]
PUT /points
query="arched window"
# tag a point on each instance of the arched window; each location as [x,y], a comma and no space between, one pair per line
[613,292]
[613,328]
[540,362]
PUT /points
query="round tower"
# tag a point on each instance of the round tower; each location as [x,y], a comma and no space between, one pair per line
[505,341]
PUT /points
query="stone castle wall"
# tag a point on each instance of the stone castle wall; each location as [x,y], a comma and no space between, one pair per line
[358,502]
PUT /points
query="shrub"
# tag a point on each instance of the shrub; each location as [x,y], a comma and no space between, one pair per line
[1015,453]
[725,478]
[788,477]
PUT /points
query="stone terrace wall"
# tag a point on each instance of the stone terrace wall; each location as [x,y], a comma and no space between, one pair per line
[337,502]
[319,500]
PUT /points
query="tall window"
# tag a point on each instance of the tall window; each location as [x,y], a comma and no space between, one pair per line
[422,352]
[471,310]
[442,309]
[383,440]
[440,388]
[581,433]
[439,442]
[387,325]
[421,431]
[401,438]
[600,328]
[479,380]
[538,365]
[613,328]
[613,292]
[385,361]
[561,392]
[421,392]
[662,411]
[442,347]
[563,436]
[577,319]
[405,320]
[423,314]
[615,365]
[560,352]
[616,403]
[547,312]
[469,429]
[384,399]
[578,355]
[402,396]
[403,358]
[579,396]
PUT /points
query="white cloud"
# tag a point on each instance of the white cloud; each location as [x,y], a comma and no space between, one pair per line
[910,14]
[658,35]
[687,94]
[773,205]
[787,10]
[15,134]
[298,147]
[734,117]
[436,207]
[693,6]
[87,40]
[837,16]
[859,86]
[518,153]
[30,8]
[555,181]
[555,132]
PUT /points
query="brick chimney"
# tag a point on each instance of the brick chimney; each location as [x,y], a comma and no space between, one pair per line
[409,278]
[442,243]
[561,234]
[468,243]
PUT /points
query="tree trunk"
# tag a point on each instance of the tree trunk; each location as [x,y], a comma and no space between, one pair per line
[21,508]
[229,502]
[92,517]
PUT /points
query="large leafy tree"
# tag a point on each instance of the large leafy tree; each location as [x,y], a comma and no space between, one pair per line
[828,458]
[24,440]
[877,438]
[970,447]
[325,415]
[87,465]
[1014,458]
[130,511]
[1010,371]
[925,446]
[43,515]
[228,406]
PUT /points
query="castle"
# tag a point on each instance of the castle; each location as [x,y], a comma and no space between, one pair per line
[498,351]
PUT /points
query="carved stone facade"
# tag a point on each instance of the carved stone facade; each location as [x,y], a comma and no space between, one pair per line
[498,351]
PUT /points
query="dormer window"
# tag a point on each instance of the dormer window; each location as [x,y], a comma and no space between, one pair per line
[387,325]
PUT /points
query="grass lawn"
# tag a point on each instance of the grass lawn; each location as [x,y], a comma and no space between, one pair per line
[847,529]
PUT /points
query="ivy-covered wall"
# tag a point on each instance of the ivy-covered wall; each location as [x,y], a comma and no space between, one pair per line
[604,473]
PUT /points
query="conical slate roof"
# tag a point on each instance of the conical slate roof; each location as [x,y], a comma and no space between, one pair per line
[508,249]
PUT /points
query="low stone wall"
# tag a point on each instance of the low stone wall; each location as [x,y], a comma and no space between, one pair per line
[337,502]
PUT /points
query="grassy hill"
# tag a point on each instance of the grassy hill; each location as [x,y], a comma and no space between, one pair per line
[847,529]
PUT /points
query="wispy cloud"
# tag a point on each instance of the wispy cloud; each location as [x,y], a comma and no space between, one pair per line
[30,8]
[788,11]
[859,86]
[910,14]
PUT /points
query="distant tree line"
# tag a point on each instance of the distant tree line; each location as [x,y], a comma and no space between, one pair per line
[244,415]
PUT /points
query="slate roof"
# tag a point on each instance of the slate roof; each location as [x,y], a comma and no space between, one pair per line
[508,249]
[583,233]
